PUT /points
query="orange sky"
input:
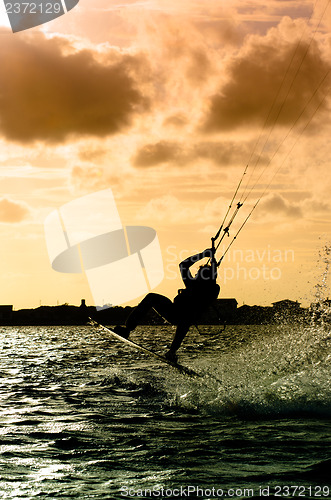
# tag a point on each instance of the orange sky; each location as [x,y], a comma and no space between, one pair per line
[166,102]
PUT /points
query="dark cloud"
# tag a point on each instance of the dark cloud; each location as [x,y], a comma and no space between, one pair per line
[158,153]
[222,31]
[92,154]
[293,9]
[276,204]
[226,153]
[319,206]
[177,120]
[255,77]
[12,211]
[220,153]
[199,66]
[49,91]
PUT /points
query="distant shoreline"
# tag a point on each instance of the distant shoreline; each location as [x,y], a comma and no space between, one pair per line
[223,311]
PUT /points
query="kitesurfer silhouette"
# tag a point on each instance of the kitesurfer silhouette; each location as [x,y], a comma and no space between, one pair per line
[200,291]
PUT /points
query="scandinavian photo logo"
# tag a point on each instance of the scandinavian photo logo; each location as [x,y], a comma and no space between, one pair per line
[25,15]
[120,263]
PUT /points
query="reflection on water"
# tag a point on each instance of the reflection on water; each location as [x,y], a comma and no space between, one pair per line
[83,415]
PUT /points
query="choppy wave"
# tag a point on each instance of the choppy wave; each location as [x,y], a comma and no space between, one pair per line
[278,372]
[83,416]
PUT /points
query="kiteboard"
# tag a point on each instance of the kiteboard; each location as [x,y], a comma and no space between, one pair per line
[179,367]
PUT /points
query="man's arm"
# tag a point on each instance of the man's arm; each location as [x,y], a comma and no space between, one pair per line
[185,265]
[213,263]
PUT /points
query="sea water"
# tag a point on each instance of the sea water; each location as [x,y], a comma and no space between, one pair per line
[83,415]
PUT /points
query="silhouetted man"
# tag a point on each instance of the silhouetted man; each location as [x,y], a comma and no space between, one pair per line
[199,292]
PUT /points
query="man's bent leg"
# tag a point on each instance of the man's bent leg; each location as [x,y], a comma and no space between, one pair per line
[160,303]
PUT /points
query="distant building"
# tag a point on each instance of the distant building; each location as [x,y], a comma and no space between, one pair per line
[227,304]
[254,315]
[286,304]
[6,313]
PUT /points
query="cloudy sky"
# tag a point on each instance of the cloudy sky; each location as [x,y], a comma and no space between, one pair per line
[166,102]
